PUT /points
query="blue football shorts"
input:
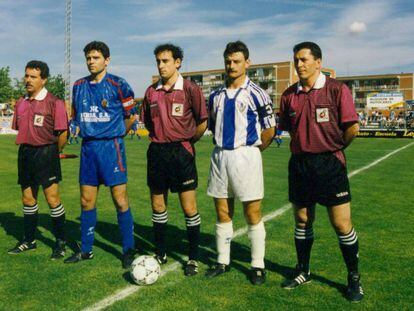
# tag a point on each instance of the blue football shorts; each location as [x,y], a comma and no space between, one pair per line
[103,161]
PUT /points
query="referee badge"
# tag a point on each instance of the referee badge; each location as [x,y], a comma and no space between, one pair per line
[177,110]
[38,120]
[104,103]
[322,115]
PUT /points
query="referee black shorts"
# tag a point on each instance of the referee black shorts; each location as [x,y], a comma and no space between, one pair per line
[38,166]
[318,178]
[171,166]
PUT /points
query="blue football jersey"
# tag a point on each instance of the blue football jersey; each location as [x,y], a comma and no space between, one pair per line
[99,108]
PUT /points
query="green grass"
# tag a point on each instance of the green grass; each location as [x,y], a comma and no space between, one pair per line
[383,199]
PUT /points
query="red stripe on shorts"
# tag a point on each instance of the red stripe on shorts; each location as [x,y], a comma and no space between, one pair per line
[118,152]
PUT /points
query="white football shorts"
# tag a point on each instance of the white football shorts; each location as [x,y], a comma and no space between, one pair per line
[236,173]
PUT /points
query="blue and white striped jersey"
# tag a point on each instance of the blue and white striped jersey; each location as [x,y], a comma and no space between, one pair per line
[238,121]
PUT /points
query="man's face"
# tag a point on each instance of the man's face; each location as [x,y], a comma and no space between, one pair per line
[33,81]
[167,65]
[306,65]
[236,65]
[96,62]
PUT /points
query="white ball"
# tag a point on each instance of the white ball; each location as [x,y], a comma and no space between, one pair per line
[145,270]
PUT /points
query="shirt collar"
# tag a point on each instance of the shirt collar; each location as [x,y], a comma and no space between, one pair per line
[178,85]
[320,83]
[40,96]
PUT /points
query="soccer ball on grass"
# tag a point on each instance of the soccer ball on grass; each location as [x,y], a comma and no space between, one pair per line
[145,270]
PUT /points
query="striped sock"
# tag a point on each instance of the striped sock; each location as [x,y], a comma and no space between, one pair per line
[88,224]
[303,241]
[126,227]
[193,233]
[349,246]
[58,221]
[159,225]
[30,217]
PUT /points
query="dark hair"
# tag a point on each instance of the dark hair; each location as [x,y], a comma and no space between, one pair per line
[312,46]
[176,51]
[237,46]
[98,46]
[42,66]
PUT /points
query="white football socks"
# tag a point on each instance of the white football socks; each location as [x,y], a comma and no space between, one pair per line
[257,236]
[224,234]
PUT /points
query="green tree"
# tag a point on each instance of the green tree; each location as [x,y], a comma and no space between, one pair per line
[56,85]
[6,88]
[18,88]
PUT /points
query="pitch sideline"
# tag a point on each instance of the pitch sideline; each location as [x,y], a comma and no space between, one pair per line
[131,289]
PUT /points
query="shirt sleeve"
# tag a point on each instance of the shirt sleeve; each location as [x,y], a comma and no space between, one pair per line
[61,117]
[211,115]
[198,102]
[145,110]
[126,95]
[284,115]
[347,107]
[14,122]
[264,107]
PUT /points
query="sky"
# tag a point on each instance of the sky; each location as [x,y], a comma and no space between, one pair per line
[356,37]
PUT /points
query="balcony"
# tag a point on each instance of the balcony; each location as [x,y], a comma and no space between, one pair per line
[263,78]
[376,88]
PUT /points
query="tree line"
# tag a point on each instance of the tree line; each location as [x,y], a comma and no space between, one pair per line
[13,89]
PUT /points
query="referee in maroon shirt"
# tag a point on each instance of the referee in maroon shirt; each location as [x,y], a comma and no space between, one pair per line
[175,114]
[320,115]
[42,124]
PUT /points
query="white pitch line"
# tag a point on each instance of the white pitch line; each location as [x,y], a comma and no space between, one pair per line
[131,289]
[353,173]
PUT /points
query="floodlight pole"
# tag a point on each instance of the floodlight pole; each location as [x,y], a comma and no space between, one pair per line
[68,19]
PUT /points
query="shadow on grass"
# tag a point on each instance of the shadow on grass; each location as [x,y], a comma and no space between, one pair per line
[177,244]
[289,273]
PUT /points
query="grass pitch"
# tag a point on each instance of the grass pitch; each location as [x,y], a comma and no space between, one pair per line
[382,200]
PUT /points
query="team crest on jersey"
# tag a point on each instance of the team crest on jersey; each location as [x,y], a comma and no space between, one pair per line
[241,106]
[104,103]
[177,110]
[38,120]
[322,115]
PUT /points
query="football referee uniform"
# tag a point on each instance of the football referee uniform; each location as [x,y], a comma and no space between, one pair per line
[320,115]
[172,116]
[40,120]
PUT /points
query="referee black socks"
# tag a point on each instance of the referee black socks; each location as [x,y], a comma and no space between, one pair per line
[349,246]
[303,242]
[58,221]
[30,217]
[193,233]
[159,225]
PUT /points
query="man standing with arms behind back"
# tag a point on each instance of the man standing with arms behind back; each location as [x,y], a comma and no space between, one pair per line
[320,115]
[101,107]
[242,121]
[42,123]
[174,112]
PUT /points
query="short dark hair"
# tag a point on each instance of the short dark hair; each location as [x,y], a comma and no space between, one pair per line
[312,46]
[98,46]
[236,46]
[42,66]
[175,50]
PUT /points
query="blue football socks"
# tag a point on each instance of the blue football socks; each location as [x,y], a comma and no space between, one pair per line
[88,223]
[126,227]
